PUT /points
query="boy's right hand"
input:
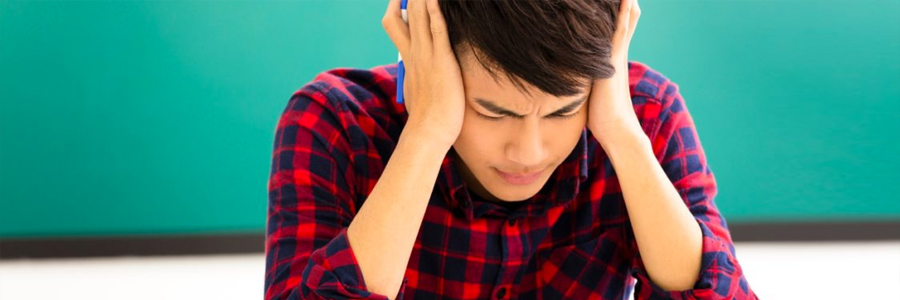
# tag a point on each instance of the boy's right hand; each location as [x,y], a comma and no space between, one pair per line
[433,89]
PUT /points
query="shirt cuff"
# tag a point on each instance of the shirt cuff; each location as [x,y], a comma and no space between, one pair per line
[333,273]
[720,275]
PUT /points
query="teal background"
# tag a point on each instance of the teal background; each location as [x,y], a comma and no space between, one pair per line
[158,117]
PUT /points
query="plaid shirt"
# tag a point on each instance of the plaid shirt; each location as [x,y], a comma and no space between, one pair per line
[572,240]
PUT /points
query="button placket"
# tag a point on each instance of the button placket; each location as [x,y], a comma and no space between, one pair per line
[511,243]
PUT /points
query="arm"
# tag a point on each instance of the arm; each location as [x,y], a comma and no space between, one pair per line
[668,235]
[682,245]
[311,212]
[384,231]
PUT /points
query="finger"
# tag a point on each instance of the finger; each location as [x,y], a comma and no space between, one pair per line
[438,28]
[624,20]
[419,25]
[633,20]
[396,28]
[621,33]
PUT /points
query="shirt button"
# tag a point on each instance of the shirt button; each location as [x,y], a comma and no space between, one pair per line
[464,204]
[512,222]
[501,292]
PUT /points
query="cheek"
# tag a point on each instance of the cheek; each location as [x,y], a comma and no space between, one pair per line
[479,141]
[478,137]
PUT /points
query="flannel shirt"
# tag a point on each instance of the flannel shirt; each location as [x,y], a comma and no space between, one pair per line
[572,240]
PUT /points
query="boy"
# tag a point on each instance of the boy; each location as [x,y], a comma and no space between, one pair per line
[578,174]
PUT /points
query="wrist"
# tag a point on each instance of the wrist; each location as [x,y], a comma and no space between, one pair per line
[424,141]
[424,133]
[623,139]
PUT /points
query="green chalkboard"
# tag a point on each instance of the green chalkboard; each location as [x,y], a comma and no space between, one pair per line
[156,117]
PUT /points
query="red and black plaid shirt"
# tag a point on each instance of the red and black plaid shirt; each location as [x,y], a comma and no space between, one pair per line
[573,240]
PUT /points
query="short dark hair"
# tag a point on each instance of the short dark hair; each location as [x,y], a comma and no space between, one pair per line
[552,44]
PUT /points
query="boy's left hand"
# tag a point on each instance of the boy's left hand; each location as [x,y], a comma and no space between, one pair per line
[610,111]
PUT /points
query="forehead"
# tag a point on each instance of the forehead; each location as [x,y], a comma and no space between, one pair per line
[500,89]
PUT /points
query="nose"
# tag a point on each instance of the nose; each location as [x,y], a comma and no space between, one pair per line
[527,149]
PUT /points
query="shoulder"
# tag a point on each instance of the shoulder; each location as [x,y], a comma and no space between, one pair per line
[348,115]
[654,96]
[646,82]
[352,88]
[348,99]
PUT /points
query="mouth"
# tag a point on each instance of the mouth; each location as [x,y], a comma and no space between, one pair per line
[519,179]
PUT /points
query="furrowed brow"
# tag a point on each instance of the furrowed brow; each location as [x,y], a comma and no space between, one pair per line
[497,109]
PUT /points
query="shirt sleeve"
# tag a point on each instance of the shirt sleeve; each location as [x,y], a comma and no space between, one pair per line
[677,146]
[310,206]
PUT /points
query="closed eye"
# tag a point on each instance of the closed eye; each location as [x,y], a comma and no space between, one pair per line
[552,116]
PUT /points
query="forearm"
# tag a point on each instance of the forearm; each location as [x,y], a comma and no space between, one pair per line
[383,232]
[666,232]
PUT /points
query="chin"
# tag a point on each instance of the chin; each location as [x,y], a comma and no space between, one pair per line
[514,193]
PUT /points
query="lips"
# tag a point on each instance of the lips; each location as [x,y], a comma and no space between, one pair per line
[519,178]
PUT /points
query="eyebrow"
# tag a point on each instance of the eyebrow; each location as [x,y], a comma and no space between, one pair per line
[497,109]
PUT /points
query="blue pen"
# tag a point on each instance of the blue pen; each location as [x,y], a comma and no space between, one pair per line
[400,69]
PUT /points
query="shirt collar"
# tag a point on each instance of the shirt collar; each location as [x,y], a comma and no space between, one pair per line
[562,187]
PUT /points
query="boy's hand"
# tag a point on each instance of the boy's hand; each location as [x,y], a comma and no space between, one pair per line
[433,89]
[611,113]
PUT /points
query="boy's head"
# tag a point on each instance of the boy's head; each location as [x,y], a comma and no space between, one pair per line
[532,58]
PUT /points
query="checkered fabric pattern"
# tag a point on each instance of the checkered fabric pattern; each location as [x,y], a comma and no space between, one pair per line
[573,240]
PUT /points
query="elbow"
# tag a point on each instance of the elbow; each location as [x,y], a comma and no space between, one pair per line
[679,285]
